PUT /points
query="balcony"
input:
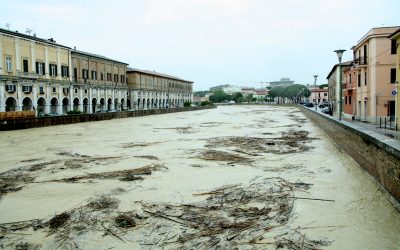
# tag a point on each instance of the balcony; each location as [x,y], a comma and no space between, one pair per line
[29,75]
[361,61]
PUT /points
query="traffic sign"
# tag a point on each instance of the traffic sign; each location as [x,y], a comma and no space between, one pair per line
[394,92]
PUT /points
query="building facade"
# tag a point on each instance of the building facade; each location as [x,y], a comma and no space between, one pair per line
[334,87]
[98,83]
[33,72]
[152,90]
[51,79]
[349,92]
[375,65]
[318,95]
[395,74]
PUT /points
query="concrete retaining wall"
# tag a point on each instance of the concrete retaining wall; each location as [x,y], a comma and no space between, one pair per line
[69,119]
[375,153]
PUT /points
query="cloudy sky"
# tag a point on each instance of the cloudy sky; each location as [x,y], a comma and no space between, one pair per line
[211,42]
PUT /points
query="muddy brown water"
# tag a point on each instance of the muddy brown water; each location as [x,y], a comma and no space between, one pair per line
[160,163]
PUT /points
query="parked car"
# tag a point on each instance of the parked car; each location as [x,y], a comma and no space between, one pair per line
[309,104]
[326,110]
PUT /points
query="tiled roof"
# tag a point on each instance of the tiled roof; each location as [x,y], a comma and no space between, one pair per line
[153,73]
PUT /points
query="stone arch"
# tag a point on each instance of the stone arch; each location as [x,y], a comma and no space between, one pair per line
[11,104]
[27,104]
[76,103]
[148,103]
[128,104]
[65,105]
[116,104]
[53,105]
[41,104]
[143,103]
[85,105]
[109,104]
[152,103]
[94,105]
[122,103]
[102,104]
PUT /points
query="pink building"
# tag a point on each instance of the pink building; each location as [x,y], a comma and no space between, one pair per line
[318,95]
[373,65]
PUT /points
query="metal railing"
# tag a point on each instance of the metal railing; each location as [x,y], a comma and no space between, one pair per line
[361,61]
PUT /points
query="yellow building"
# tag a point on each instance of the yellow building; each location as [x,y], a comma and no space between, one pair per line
[99,83]
[395,73]
[31,71]
[152,90]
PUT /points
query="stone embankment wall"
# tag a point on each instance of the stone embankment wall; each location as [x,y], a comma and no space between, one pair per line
[375,153]
[69,119]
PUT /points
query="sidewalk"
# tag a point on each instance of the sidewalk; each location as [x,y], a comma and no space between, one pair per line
[389,135]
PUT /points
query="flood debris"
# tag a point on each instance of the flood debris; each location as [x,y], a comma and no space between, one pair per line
[59,220]
[215,155]
[123,175]
[230,216]
[181,130]
[291,141]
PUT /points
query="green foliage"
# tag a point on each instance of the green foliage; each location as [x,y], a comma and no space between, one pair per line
[204,103]
[219,96]
[201,93]
[237,97]
[187,104]
[291,91]
[322,86]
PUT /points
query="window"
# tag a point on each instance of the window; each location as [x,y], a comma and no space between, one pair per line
[359,80]
[41,90]
[10,88]
[109,77]
[115,78]
[350,78]
[8,64]
[40,68]
[53,69]
[122,78]
[76,91]
[85,74]
[27,89]
[25,65]
[349,99]
[75,74]
[101,76]
[94,75]
[54,90]
[345,100]
[64,71]
[365,78]
[85,91]
[393,48]
[393,75]
[325,94]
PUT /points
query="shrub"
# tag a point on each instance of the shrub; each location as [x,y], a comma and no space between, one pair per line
[187,104]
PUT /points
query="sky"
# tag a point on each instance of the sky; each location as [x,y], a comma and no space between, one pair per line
[210,42]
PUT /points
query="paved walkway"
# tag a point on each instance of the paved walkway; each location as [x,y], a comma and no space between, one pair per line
[390,134]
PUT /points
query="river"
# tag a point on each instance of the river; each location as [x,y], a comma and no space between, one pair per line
[234,176]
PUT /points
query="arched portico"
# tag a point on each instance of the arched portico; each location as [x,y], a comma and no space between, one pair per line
[65,106]
[11,104]
[85,105]
[76,104]
[41,104]
[53,105]
[94,105]
[27,104]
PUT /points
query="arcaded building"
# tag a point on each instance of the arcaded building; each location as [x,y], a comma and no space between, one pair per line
[153,90]
[98,83]
[33,73]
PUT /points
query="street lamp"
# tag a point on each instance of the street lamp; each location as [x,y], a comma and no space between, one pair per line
[315,91]
[339,53]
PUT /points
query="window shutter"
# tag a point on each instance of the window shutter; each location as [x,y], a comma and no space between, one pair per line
[37,68]
[392,75]
[67,71]
[55,69]
[44,68]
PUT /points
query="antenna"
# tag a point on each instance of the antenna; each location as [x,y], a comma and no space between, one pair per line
[8,26]
[28,31]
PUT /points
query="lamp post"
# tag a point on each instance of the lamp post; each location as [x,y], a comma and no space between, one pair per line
[339,54]
[315,91]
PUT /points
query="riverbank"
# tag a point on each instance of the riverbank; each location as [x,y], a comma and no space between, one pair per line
[375,153]
[15,124]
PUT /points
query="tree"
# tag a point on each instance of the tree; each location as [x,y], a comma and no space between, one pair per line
[237,97]
[219,96]
[293,92]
